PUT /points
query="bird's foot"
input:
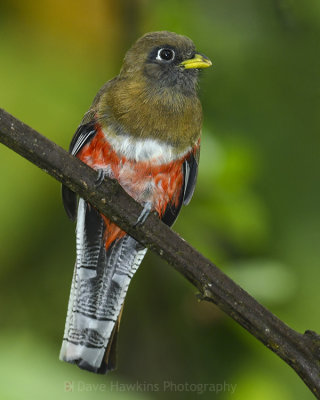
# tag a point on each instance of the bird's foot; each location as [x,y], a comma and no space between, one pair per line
[144,214]
[100,178]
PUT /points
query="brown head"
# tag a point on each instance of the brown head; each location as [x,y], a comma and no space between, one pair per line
[165,59]
[155,94]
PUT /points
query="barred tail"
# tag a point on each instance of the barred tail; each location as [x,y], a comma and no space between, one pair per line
[99,286]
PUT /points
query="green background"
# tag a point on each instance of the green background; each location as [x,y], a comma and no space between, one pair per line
[255,212]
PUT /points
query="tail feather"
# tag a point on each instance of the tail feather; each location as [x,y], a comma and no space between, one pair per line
[110,355]
[99,286]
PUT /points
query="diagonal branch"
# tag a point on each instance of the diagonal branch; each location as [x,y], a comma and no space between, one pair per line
[300,351]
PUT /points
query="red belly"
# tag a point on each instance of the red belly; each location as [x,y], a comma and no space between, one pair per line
[145,181]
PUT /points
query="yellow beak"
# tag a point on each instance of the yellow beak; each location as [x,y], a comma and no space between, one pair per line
[198,61]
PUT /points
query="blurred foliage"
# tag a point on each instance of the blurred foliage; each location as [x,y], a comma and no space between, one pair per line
[255,211]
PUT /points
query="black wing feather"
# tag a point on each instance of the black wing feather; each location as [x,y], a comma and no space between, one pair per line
[69,199]
[190,173]
[83,135]
[190,169]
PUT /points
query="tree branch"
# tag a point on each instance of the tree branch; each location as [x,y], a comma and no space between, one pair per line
[300,351]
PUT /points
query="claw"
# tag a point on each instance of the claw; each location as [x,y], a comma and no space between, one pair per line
[100,177]
[144,214]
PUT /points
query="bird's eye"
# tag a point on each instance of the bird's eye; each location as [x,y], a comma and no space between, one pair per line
[165,55]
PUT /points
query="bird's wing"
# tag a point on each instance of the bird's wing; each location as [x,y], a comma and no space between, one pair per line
[190,173]
[99,286]
[83,135]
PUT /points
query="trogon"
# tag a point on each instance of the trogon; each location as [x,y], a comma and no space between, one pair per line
[142,129]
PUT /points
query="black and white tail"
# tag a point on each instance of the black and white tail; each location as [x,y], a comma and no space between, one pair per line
[99,286]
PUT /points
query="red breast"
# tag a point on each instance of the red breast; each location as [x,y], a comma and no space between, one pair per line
[145,181]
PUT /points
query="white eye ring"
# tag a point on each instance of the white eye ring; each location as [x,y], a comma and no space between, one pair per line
[162,57]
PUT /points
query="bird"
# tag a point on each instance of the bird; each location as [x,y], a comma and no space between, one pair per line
[143,129]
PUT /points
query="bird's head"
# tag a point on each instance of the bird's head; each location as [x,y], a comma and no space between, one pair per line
[155,94]
[165,59]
